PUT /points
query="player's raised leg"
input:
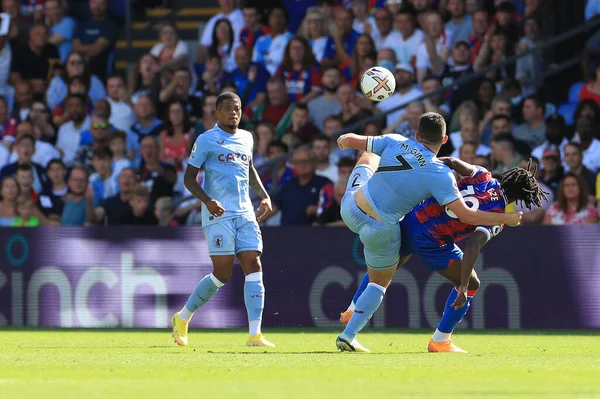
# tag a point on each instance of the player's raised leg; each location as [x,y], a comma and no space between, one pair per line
[441,341]
[254,296]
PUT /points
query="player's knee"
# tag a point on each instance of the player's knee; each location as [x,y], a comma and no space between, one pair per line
[474,282]
[223,275]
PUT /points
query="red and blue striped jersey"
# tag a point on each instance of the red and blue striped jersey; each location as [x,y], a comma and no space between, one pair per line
[301,83]
[429,221]
[248,38]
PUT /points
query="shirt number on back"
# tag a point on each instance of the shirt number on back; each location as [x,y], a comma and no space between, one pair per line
[404,165]
[471,201]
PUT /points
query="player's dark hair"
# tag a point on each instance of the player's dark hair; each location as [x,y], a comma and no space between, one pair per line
[432,128]
[227,96]
[521,185]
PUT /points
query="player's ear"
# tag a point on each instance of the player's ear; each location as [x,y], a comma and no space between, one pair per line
[444,140]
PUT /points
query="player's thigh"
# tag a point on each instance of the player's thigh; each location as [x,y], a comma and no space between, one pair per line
[381,245]
[453,274]
[222,267]
[221,247]
[248,244]
[351,214]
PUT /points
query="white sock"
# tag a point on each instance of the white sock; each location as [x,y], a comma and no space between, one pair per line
[352,307]
[254,327]
[439,336]
[185,314]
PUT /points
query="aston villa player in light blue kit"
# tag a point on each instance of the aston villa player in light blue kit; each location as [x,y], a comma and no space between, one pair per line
[228,219]
[376,200]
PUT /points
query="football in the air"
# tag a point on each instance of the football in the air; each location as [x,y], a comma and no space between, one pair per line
[378,83]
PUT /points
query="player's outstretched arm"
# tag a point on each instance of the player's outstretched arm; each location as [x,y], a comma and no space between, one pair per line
[266,208]
[479,218]
[472,248]
[189,180]
[352,141]
[459,166]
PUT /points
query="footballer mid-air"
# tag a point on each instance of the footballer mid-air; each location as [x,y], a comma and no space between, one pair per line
[431,231]
[382,190]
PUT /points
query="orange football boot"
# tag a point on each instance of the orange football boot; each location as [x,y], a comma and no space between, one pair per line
[346,316]
[446,346]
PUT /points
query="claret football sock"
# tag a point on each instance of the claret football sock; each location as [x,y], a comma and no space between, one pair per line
[205,289]
[367,304]
[254,297]
[451,316]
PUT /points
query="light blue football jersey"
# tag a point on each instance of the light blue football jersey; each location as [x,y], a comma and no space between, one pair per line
[408,173]
[225,158]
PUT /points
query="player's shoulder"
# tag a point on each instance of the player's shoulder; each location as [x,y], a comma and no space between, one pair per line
[479,176]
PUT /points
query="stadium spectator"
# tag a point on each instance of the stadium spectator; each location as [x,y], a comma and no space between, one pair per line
[589,109]
[436,41]
[555,136]
[327,103]
[552,171]
[468,134]
[34,61]
[158,176]
[407,124]
[573,159]
[174,140]
[212,76]
[300,71]
[69,134]
[171,52]
[504,153]
[95,39]
[147,124]
[460,25]
[224,44]
[140,212]
[384,21]
[533,130]
[25,179]
[467,152]
[298,198]
[62,27]
[118,147]
[5,60]
[301,131]
[75,66]
[50,201]
[572,205]
[75,86]
[585,135]
[330,216]
[265,134]
[363,57]
[229,11]
[24,148]
[591,90]
[179,89]
[145,79]
[404,94]
[74,211]
[9,192]
[345,166]
[250,78]
[8,125]
[209,115]
[499,105]
[121,114]
[529,68]
[25,213]
[321,147]
[449,74]
[341,43]
[363,21]
[277,150]
[506,21]
[253,26]
[278,109]
[536,215]
[113,208]
[102,181]
[386,57]
[269,49]
[495,49]
[100,137]
[19,25]
[315,30]
[23,100]
[43,152]
[435,103]
[41,119]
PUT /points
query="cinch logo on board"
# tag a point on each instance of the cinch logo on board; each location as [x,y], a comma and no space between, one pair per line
[232,157]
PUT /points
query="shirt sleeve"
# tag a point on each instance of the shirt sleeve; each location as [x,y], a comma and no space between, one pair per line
[377,144]
[199,153]
[444,188]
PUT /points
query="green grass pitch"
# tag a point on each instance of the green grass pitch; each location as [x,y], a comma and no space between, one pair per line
[217,364]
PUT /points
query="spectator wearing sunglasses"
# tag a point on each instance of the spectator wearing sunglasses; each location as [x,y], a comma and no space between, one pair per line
[100,132]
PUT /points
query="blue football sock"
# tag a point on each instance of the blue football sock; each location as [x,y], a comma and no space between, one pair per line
[367,304]
[205,289]
[452,317]
[254,297]
[361,288]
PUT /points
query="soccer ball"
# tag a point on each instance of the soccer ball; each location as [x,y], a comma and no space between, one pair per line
[378,83]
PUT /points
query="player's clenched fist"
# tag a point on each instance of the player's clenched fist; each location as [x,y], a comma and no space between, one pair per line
[344,141]
[215,208]
[514,218]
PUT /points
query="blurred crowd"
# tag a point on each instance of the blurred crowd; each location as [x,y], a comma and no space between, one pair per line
[83,145]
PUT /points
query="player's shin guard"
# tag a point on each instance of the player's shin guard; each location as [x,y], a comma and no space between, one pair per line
[254,297]
[451,316]
[361,288]
[367,304]
[205,289]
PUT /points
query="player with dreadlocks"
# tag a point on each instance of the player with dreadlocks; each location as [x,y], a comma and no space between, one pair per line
[432,231]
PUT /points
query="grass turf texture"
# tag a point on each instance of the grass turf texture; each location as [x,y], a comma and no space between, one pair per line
[132,363]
